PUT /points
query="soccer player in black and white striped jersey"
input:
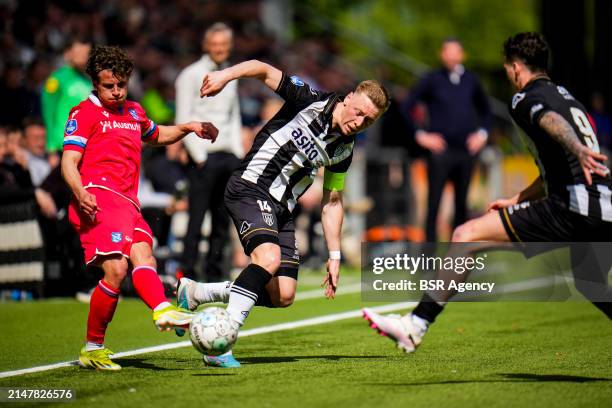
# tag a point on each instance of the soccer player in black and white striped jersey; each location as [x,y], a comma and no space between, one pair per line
[313,129]
[571,201]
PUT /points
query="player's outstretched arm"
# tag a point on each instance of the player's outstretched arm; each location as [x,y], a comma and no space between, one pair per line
[332,215]
[559,129]
[215,81]
[172,134]
[70,172]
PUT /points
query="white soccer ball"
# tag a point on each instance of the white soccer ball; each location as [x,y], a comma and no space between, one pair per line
[212,331]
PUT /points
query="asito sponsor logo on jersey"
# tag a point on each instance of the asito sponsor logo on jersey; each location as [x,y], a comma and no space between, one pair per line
[305,143]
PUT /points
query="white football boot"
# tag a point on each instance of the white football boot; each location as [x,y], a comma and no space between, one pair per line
[402,330]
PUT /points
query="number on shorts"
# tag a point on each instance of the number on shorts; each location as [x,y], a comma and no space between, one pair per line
[264,206]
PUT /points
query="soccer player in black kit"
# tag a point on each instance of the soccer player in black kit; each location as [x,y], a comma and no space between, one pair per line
[313,129]
[571,201]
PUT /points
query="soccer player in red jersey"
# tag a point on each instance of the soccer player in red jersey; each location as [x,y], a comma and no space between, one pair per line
[101,165]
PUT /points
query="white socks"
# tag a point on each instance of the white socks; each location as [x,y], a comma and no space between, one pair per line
[212,292]
[161,306]
[417,322]
[90,346]
[239,306]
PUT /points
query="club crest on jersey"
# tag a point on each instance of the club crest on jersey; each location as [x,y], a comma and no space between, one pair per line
[295,80]
[71,126]
[565,93]
[340,150]
[268,218]
[517,98]
[116,237]
[134,114]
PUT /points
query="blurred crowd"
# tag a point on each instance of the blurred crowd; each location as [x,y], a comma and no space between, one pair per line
[38,38]
[43,50]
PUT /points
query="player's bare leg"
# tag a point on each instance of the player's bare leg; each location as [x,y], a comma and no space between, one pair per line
[407,331]
[150,289]
[280,292]
[101,311]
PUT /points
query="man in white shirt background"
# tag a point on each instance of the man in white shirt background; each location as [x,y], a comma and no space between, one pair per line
[210,164]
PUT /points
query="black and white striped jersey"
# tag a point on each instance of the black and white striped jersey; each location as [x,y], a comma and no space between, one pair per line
[297,141]
[560,169]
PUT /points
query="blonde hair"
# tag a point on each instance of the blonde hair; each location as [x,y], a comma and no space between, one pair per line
[376,92]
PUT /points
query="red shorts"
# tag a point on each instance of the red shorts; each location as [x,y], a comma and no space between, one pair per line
[118,224]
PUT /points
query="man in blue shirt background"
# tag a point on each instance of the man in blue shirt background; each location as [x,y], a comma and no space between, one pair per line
[457,129]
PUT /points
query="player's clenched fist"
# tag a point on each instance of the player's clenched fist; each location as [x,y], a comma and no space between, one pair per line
[88,203]
[213,83]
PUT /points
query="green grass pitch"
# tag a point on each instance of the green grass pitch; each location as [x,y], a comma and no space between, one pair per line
[477,354]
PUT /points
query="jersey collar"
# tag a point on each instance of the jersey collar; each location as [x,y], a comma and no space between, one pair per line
[329,109]
[96,101]
[535,79]
[94,98]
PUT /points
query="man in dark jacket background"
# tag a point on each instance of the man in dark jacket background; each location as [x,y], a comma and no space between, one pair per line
[457,129]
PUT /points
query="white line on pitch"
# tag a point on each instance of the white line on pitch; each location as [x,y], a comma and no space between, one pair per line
[505,289]
[251,332]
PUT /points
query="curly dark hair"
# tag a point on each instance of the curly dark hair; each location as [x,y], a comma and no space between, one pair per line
[104,57]
[529,47]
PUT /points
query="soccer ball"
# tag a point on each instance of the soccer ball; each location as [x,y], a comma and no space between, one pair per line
[212,331]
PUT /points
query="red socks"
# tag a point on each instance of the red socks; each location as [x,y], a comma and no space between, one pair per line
[148,286]
[104,300]
[101,310]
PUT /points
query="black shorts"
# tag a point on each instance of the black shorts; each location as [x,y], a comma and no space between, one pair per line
[549,220]
[259,218]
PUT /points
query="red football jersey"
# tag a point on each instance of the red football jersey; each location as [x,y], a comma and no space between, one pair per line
[111,143]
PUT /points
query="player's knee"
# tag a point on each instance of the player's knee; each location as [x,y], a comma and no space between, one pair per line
[285,299]
[148,260]
[141,254]
[115,270]
[463,233]
[268,257]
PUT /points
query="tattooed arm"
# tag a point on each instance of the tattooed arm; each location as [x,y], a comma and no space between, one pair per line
[561,131]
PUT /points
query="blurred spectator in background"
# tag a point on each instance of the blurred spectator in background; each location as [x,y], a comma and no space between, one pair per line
[65,88]
[458,118]
[269,108]
[211,164]
[603,122]
[18,200]
[17,100]
[15,181]
[34,143]
[163,189]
